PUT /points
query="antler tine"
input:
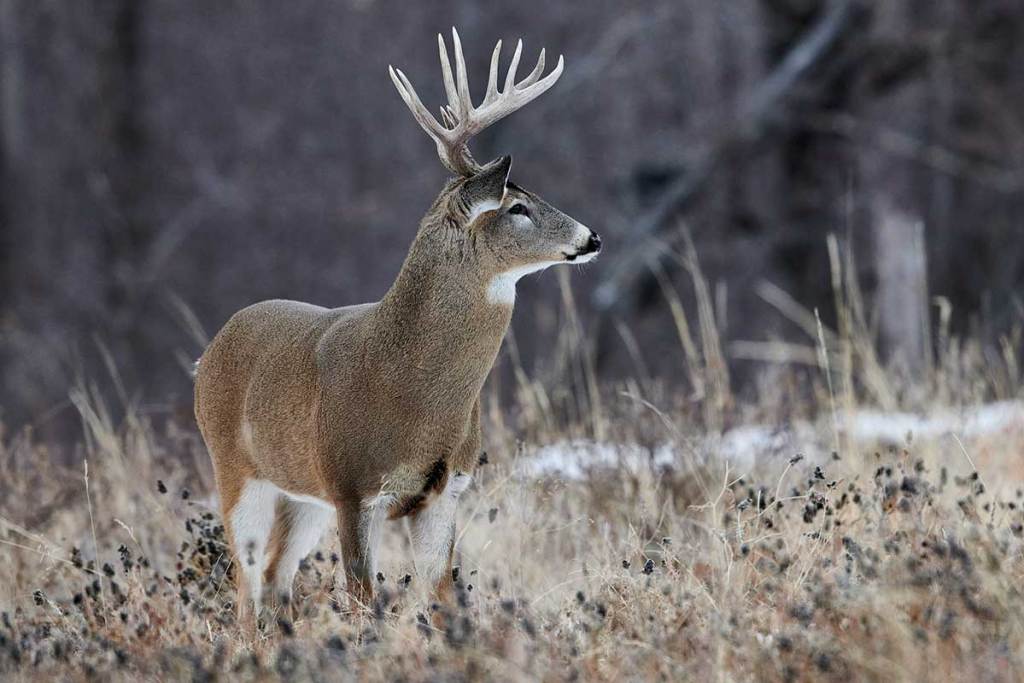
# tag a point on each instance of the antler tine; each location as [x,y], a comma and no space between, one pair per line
[446,74]
[447,117]
[542,86]
[412,100]
[534,75]
[510,78]
[465,103]
[492,77]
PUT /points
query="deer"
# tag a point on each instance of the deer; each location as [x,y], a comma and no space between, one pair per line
[371,412]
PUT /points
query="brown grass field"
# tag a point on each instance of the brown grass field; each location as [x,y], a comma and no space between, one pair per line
[830,555]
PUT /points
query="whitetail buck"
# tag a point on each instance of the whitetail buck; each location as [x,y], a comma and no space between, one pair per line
[372,412]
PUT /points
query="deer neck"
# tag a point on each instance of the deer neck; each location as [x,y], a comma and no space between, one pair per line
[436,316]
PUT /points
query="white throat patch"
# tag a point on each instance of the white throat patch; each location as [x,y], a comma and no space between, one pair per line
[502,289]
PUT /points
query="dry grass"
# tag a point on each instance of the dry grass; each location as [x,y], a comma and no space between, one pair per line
[896,563]
[837,560]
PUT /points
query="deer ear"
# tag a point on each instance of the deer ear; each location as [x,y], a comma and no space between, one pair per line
[488,186]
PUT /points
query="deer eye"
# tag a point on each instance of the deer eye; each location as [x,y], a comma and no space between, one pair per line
[519,210]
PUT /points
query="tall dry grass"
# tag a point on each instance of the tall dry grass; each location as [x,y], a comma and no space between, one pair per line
[840,559]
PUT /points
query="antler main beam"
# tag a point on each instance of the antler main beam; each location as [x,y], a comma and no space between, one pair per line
[460,120]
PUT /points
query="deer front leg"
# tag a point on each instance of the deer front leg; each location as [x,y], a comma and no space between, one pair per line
[433,529]
[359,527]
[433,537]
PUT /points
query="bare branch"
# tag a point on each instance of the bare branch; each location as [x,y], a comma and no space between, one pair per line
[751,123]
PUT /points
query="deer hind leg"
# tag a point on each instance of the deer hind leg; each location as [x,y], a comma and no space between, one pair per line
[433,537]
[250,521]
[298,527]
[359,529]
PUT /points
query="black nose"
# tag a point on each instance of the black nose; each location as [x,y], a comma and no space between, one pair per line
[593,244]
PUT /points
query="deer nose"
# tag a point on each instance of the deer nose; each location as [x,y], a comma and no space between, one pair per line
[593,244]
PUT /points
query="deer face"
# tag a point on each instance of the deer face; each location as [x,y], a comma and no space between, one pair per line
[512,232]
[517,232]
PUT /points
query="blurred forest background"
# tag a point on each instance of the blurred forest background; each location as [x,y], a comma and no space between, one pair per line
[164,163]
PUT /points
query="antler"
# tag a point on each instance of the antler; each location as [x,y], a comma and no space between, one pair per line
[461,120]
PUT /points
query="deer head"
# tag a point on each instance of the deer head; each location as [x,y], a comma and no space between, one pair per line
[512,231]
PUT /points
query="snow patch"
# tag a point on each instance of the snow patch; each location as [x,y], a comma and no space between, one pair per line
[744,446]
[972,422]
[574,459]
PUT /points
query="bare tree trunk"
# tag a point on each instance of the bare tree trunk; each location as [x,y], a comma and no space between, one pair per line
[12,132]
[890,187]
[126,234]
[902,302]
